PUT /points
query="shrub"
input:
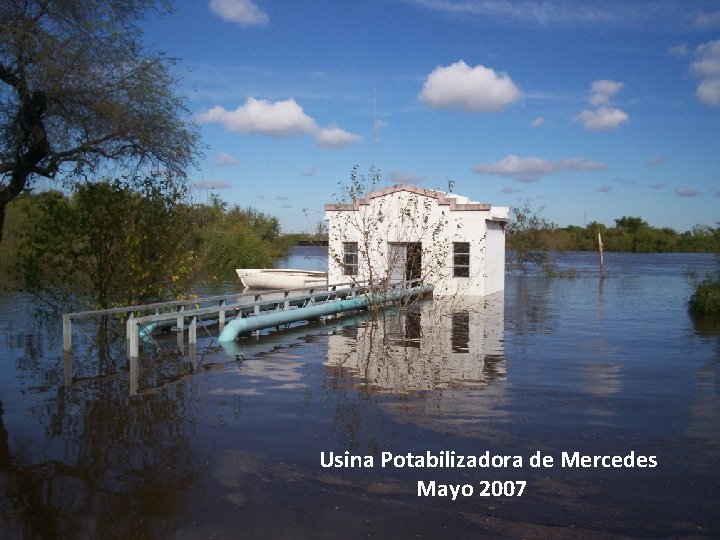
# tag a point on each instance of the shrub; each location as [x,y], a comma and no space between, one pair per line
[705,301]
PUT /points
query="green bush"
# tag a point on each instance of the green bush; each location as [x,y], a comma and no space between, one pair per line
[705,301]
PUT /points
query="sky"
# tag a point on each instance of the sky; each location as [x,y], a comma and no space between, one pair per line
[583,110]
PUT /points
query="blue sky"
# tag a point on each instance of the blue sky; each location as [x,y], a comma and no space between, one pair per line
[587,110]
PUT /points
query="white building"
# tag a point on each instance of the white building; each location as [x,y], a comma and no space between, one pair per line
[405,232]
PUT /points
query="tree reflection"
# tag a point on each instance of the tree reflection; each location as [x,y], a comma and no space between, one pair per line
[110,465]
[529,310]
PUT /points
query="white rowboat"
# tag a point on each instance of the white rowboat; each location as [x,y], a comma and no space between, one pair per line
[280,278]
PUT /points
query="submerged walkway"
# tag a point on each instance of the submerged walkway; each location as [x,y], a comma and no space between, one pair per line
[252,311]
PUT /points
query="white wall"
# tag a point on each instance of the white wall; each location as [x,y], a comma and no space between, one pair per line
[413,215]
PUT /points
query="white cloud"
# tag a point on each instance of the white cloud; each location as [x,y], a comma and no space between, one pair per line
[709,92]
[685,191]
[709,20]
[602,119]
[529,169]
[242,12]
[459,86]
[711,48]
[707,68]
[545,12]
[681,51]
[333,137]
[225,160]
[277,119]
[665,15]
[601,91]
[400,176]
[537,122]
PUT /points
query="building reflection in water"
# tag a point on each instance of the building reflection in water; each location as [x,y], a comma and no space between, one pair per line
[438,366]
[430,346]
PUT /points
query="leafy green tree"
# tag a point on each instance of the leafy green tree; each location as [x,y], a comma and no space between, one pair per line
[631,224]
[530,239]
[115,242]
[78,93]
[230,238]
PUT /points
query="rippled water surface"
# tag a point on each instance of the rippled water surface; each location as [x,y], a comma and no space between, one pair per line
[227,443]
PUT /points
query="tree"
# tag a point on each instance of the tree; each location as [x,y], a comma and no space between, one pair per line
[631,224]
[78,93]
[529,236]
[230,238]
[112,243]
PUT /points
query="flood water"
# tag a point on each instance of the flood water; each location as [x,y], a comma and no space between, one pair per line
[233,442]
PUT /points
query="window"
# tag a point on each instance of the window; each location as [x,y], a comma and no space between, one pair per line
[460,332]
[461,259]
[350,258]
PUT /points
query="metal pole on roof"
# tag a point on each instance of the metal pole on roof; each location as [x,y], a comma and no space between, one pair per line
[374,133]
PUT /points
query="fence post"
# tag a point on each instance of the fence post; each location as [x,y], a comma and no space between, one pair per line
[192,332]
[180,320]
[221,315]
[67,332]
[132,331]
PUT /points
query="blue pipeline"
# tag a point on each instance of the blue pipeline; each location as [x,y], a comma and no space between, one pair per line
[243,326]
[147,330]
[244,348]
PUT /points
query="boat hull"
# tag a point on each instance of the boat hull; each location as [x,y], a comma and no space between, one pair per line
[280,278]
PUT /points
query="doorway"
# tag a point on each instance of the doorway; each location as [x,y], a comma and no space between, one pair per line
[404,261]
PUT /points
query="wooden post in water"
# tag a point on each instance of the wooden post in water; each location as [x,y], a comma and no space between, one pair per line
[134,375]
[602,258]
[132,329]
[192,341]
[192,332]
[221,315]
[67,333]
[179,325]
[67,367]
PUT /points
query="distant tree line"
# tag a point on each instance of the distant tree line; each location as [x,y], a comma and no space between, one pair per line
[130,240]
[530,232]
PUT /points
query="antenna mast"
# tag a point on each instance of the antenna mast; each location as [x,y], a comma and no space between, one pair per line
[374,135]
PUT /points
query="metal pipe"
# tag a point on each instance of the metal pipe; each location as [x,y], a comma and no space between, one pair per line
[244,326]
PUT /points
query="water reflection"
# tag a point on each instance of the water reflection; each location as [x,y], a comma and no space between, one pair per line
[529,308]
[225,443]
[424,348]
[109,466]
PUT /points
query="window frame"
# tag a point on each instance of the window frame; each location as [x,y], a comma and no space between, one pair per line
[461,259]
[350,259]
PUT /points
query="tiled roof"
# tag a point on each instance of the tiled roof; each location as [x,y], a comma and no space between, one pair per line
[442,198]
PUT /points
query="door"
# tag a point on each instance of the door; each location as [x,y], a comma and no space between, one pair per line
[404,261]
[413,261]
[397,258]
